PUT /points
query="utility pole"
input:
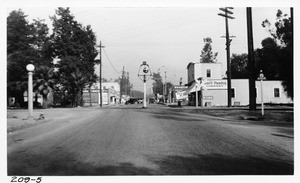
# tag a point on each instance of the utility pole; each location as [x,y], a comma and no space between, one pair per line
[126,83]
[251,63]
[121,87]
[226,11]
[100,73]
[165,89]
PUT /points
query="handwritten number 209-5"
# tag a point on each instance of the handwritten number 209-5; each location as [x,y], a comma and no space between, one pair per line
[26,179]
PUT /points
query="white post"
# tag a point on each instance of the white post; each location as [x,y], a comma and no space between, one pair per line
[201,97]
[262,97]
[30,69]
[261,78]
[30,96]
[145,69]
[145,105]
[196,87]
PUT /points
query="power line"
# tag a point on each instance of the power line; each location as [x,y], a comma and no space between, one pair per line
[184,43]
[110,62]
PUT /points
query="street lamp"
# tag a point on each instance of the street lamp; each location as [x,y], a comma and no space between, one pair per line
[30,69]
[261,78]
[144,75]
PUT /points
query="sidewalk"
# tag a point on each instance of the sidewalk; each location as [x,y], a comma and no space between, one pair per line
[271,113]
[17,119]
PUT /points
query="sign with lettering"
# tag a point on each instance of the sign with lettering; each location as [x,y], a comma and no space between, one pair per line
[208,97]
[180,87]
[215,84]
[90,96]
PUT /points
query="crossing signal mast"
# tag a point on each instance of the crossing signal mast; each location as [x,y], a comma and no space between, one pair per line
[144,74]
[227,14]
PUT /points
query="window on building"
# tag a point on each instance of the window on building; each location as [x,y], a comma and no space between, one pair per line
[276,92]
[232,93]
[208,73]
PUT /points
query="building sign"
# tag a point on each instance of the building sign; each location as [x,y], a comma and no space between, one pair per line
[180,92]
[87,97]
[208,97]
[215,84]
[181,95]
[180,87]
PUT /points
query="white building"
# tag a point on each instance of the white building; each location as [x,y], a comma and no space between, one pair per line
[110,93]
[214,88]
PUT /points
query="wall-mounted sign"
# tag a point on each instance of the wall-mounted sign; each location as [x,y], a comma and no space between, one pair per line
[208,97]
[182,87]
[215,84]
[87,97]
[181,95]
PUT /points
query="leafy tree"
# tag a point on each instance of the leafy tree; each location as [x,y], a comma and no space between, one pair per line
[269,59]
[168,86]
[239,64]
[266,59]
[42,45]
[157,85]
[19,53]
[282,31]
[125,85]
[45,83]
[207,56]
[75,46]
[27,43]
[137,94]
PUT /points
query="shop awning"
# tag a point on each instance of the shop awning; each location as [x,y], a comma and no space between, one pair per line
[192,88]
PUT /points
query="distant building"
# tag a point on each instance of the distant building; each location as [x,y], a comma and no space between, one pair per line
[110,93]
[214,87]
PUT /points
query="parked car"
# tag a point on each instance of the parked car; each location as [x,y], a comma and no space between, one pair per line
[131,101]
[151,100]
[140,100]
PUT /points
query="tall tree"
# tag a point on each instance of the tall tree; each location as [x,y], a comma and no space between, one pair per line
[19,53]
[75,46]
[269,59]
[45,81]
[239,66]
[207,56]
[137,94]
[157,85]
[282,31]
[125,85]
[42,44]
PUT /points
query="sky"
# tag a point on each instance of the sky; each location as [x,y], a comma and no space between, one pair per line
[167,37]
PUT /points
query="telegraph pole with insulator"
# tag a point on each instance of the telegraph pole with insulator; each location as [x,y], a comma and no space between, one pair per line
[227,14]
[251,63]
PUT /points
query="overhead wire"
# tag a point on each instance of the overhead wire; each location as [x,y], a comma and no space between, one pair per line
[110,62]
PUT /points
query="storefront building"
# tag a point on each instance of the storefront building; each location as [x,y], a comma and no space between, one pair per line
[207,80]
[110,94]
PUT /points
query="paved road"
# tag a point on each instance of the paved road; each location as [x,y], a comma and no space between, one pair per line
[129,140]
